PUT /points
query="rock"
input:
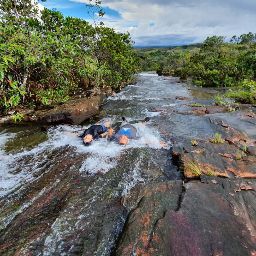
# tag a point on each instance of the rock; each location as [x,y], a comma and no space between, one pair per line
[251,150]
[181,98]
[140,236]
[73,112]
[199,111]
[65,210]
[226,159]
[204,218]
[211,221]
[215,109]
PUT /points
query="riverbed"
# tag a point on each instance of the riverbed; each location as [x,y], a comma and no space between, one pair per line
[59,197]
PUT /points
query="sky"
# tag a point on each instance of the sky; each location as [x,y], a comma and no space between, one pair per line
[168,22]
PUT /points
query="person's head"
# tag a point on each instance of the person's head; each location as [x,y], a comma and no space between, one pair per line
[123,140]
[110,132]
[107,124]
[88,139]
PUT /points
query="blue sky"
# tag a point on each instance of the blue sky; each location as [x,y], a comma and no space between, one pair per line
[77,9]
[168,22]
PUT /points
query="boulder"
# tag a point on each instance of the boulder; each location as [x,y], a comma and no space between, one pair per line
[73,112]
[213,217]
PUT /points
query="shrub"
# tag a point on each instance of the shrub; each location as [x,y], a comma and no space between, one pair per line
[44,62]
[217,139]
[245,93]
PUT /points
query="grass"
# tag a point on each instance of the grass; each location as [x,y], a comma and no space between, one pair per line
[240,155]
[194,168]
[244,93]
[246,97]
[244,148]
[195,104]
[217,139]
[220,100]
[210,172]
[194,143]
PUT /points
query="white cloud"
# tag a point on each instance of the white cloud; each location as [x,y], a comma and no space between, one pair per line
[186,18]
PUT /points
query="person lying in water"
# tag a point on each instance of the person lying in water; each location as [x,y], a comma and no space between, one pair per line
[124,132]
[97,131]
[127,132]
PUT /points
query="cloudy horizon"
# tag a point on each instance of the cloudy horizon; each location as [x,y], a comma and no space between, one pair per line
[169,22]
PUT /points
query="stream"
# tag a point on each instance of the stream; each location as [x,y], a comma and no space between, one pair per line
[58,197]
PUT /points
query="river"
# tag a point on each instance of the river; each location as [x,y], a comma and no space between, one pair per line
[59,197]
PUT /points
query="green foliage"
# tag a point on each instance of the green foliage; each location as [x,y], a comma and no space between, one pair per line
[220,100]
[194,168]
[44,62]
[244,93]
[18,117]
[216,63]
[217,139]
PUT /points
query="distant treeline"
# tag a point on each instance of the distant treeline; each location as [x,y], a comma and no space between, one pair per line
[45,57]
[215,63]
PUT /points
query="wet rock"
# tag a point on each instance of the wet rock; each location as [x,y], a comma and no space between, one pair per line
[64,211]
[181,98]
[212,220]
[199,111]
[201,218]
[74,112]
[251,150]
[215,109]
[227,159]
[140,235]
[208,110]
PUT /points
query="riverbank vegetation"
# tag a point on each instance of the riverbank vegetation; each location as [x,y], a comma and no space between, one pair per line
[46,57]
[215,63]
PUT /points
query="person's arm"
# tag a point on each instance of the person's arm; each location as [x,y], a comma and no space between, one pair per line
[84,133]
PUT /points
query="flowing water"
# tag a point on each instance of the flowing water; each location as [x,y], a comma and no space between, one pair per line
[24,150]
[69,190]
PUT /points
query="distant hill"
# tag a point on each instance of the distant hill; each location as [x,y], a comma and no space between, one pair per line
[189,46]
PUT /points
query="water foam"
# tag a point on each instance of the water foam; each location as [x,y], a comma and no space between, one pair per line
[151,113]
[104,154]
[147,74]
[101,156]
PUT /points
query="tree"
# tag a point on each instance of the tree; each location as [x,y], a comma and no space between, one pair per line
[213,41]
[44,61]
[247,38]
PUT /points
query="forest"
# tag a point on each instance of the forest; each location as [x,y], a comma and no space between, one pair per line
[214,63]
[45,57]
